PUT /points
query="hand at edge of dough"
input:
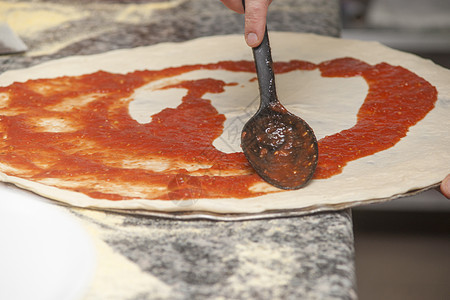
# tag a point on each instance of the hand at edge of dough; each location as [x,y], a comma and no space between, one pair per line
[445,186]
[255,18]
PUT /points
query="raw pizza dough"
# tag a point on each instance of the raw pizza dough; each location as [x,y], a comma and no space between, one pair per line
[329,105]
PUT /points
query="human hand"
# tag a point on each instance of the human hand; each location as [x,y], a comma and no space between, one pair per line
[445,186]
[255,18]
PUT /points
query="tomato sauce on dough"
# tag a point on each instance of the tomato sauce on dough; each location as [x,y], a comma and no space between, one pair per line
[76,132]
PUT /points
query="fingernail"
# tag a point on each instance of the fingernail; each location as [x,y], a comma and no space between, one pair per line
[252,39]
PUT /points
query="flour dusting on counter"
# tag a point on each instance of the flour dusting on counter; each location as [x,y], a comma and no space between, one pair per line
[113,269]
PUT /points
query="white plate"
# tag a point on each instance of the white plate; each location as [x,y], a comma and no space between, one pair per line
[44,252]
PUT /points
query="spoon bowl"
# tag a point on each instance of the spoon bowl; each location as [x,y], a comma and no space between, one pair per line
[281,147]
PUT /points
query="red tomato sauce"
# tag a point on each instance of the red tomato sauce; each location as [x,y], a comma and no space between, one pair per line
[101,134]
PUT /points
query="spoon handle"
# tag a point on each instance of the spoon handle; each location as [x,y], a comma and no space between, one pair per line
[264,69]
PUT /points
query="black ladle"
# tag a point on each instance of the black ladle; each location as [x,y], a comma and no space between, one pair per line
[280,146]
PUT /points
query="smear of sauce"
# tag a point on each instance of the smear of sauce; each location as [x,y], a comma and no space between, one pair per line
[76,132]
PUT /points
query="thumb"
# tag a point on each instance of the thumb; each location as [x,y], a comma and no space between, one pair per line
[255,21]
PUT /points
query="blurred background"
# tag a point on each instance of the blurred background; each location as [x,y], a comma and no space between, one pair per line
[403,246]
[417,26]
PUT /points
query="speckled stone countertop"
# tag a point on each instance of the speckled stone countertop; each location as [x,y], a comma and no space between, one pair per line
[309,257]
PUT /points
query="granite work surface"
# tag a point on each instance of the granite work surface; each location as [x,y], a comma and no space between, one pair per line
[309,257]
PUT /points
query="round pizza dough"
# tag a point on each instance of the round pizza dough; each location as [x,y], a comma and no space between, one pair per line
[329,105]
